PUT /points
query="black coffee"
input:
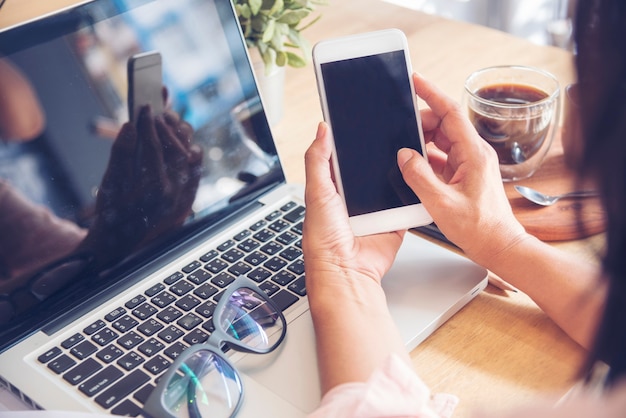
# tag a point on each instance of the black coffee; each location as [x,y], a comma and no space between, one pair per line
[515,133]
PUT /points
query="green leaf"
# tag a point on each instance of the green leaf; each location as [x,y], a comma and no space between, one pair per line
[255,6]
[277,7]
[268,33]
[295,60]
[281,58]
[293,17]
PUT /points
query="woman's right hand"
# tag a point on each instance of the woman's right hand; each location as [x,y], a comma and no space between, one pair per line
[460,185]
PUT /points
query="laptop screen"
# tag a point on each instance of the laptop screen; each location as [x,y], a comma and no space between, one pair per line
[88,197]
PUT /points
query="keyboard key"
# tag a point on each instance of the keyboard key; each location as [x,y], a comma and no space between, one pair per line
[114,314]
[121,389]
[209,256]
[155,289]
[151,347]
[49,355]
[125,323]
[61,364]
[248,245]
[130,340]
[297,228]
[222,280]
[196,337]
[163,299]
[157,365]
[134,302]
[297,267]
[286,238]
[298,287]
[290,253]
[90,329]
[295,215]
[191,267]
[283,277]
[127,409]
[255,258]
[269,288]
[275,263]
[287,206]
[82,371]
[239,269]
[74,339]
[144,311]
[143,394]
[232,255]
[189,321]
[150,327]
[174,350]
[83,350]
[100,381]
[104,336]
[199,276]
[273,215]
[225,245]
[109,353]
[216,265]
[170,334]
[279,225]
[258,225]
[272,248]
[284,299]
[130,360]
[206,309]
[181,288]
[264,235]
[170,314]
[176,276]
[243,234]
[187,302]
[259,274]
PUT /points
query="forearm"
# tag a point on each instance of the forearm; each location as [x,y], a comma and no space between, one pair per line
[353,337]
[567,288]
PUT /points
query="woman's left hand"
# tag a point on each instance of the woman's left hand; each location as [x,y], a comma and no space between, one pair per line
[333,255]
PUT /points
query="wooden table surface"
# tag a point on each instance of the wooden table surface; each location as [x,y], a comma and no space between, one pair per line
[500,350]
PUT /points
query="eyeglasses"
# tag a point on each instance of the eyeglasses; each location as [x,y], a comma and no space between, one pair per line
[202,382]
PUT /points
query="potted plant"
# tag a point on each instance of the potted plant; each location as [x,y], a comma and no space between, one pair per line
[274,28]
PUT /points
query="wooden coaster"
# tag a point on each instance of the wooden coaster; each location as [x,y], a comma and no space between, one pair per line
[567,219]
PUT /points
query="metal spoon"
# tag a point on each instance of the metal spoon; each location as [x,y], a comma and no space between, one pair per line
[547,200]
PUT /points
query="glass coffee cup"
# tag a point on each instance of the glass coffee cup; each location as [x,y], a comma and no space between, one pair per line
[516,110]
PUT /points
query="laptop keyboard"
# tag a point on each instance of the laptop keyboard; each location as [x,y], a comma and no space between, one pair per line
[117,359]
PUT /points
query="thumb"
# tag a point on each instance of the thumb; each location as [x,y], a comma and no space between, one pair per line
[418,174]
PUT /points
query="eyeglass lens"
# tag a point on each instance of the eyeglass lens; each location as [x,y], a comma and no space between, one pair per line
[204,386]
[250,320]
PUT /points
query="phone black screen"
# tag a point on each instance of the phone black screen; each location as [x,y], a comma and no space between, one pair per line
[370,105]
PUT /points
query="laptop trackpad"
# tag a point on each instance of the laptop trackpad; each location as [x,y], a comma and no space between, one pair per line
[290,371]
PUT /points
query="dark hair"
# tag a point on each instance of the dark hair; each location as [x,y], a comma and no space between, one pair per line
[600,35]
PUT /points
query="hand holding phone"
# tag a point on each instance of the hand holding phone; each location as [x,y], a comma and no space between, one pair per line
[367,97]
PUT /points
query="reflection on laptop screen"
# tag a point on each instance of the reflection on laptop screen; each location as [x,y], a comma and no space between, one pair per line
[85,196]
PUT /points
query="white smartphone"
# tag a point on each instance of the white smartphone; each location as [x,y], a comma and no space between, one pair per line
[366,90]
[145,84]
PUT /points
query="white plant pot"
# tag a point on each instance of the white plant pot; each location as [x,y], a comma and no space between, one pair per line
[271,87]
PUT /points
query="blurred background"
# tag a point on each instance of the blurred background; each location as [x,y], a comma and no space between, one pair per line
[545,22]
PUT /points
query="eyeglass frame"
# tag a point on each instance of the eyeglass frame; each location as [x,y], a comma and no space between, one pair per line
[213,345]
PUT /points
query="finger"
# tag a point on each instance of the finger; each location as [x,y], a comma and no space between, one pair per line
[183,130]
[418,174]
[317,159]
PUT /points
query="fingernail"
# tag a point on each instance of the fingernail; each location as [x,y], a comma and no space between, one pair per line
[404,155]
[321,130]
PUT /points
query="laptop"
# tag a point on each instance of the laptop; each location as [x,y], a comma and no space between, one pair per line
[115,241]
